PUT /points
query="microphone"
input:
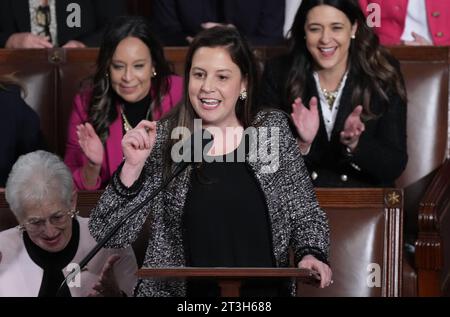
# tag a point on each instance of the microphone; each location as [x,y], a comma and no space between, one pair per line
[190,155]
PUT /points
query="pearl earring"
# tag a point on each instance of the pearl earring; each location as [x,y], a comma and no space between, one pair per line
[243,95]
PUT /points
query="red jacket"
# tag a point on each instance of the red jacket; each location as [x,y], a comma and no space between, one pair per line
[393,16]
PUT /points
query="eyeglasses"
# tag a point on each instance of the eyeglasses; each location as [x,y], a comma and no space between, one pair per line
[58,219]
[43,19]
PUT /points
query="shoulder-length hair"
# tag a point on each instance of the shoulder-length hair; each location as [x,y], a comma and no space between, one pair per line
[102,110]
[370,62]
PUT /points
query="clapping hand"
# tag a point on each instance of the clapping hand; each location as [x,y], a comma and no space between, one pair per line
[306,120]
[353,128]
[90,143]
[106,285]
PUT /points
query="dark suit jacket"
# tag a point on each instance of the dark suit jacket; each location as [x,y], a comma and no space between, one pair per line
[95,14]
[19,128]
[261,21]
[381,153]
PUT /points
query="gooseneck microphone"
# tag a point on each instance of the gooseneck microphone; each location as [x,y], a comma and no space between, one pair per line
[190,148]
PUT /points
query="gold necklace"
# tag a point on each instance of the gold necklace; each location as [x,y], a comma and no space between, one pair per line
[330,96]
[126,124]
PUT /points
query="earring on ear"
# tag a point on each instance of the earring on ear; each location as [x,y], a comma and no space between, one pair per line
[154,73]
[353,36]
[243,95]
[106,82]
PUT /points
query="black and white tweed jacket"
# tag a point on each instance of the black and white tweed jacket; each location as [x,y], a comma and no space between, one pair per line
[296,219]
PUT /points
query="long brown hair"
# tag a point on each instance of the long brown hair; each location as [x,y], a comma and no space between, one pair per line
[370,62]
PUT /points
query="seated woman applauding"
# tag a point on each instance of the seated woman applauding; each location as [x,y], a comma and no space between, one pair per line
[132,83]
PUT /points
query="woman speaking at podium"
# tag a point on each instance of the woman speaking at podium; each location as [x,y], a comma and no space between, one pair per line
[225,211]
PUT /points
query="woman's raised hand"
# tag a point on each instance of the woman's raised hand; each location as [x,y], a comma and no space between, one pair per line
[306,120]
[353,128]
[137,144]
[90,143]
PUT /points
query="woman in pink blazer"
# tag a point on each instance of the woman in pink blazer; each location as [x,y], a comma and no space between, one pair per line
[393,15]
[132,83]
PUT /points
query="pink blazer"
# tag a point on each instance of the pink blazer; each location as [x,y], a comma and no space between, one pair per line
[393,16]
[75,158]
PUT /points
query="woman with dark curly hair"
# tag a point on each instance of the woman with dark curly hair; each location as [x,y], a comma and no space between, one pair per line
[352,132]
[132,83]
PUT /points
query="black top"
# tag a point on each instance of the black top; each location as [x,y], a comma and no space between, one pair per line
[19,128]
[226,224]
[53,263]
[135,112]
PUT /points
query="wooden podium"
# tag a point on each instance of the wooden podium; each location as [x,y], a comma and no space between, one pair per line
[230,279]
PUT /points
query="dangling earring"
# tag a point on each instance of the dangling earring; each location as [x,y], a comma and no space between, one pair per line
[353,36]
[154,73]
[106,83]
[243,95]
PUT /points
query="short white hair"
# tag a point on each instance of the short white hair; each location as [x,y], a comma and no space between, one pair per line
[37,177]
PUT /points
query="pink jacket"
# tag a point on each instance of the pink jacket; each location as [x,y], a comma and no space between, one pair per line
[75,158]
[393,16]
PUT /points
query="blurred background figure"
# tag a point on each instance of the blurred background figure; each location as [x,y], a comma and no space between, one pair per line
[51,23]
[133,82]
[411,22]
[177,21]
[37,255]
[19,128]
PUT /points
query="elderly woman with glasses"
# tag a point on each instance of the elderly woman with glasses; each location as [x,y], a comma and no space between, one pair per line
[36,256]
